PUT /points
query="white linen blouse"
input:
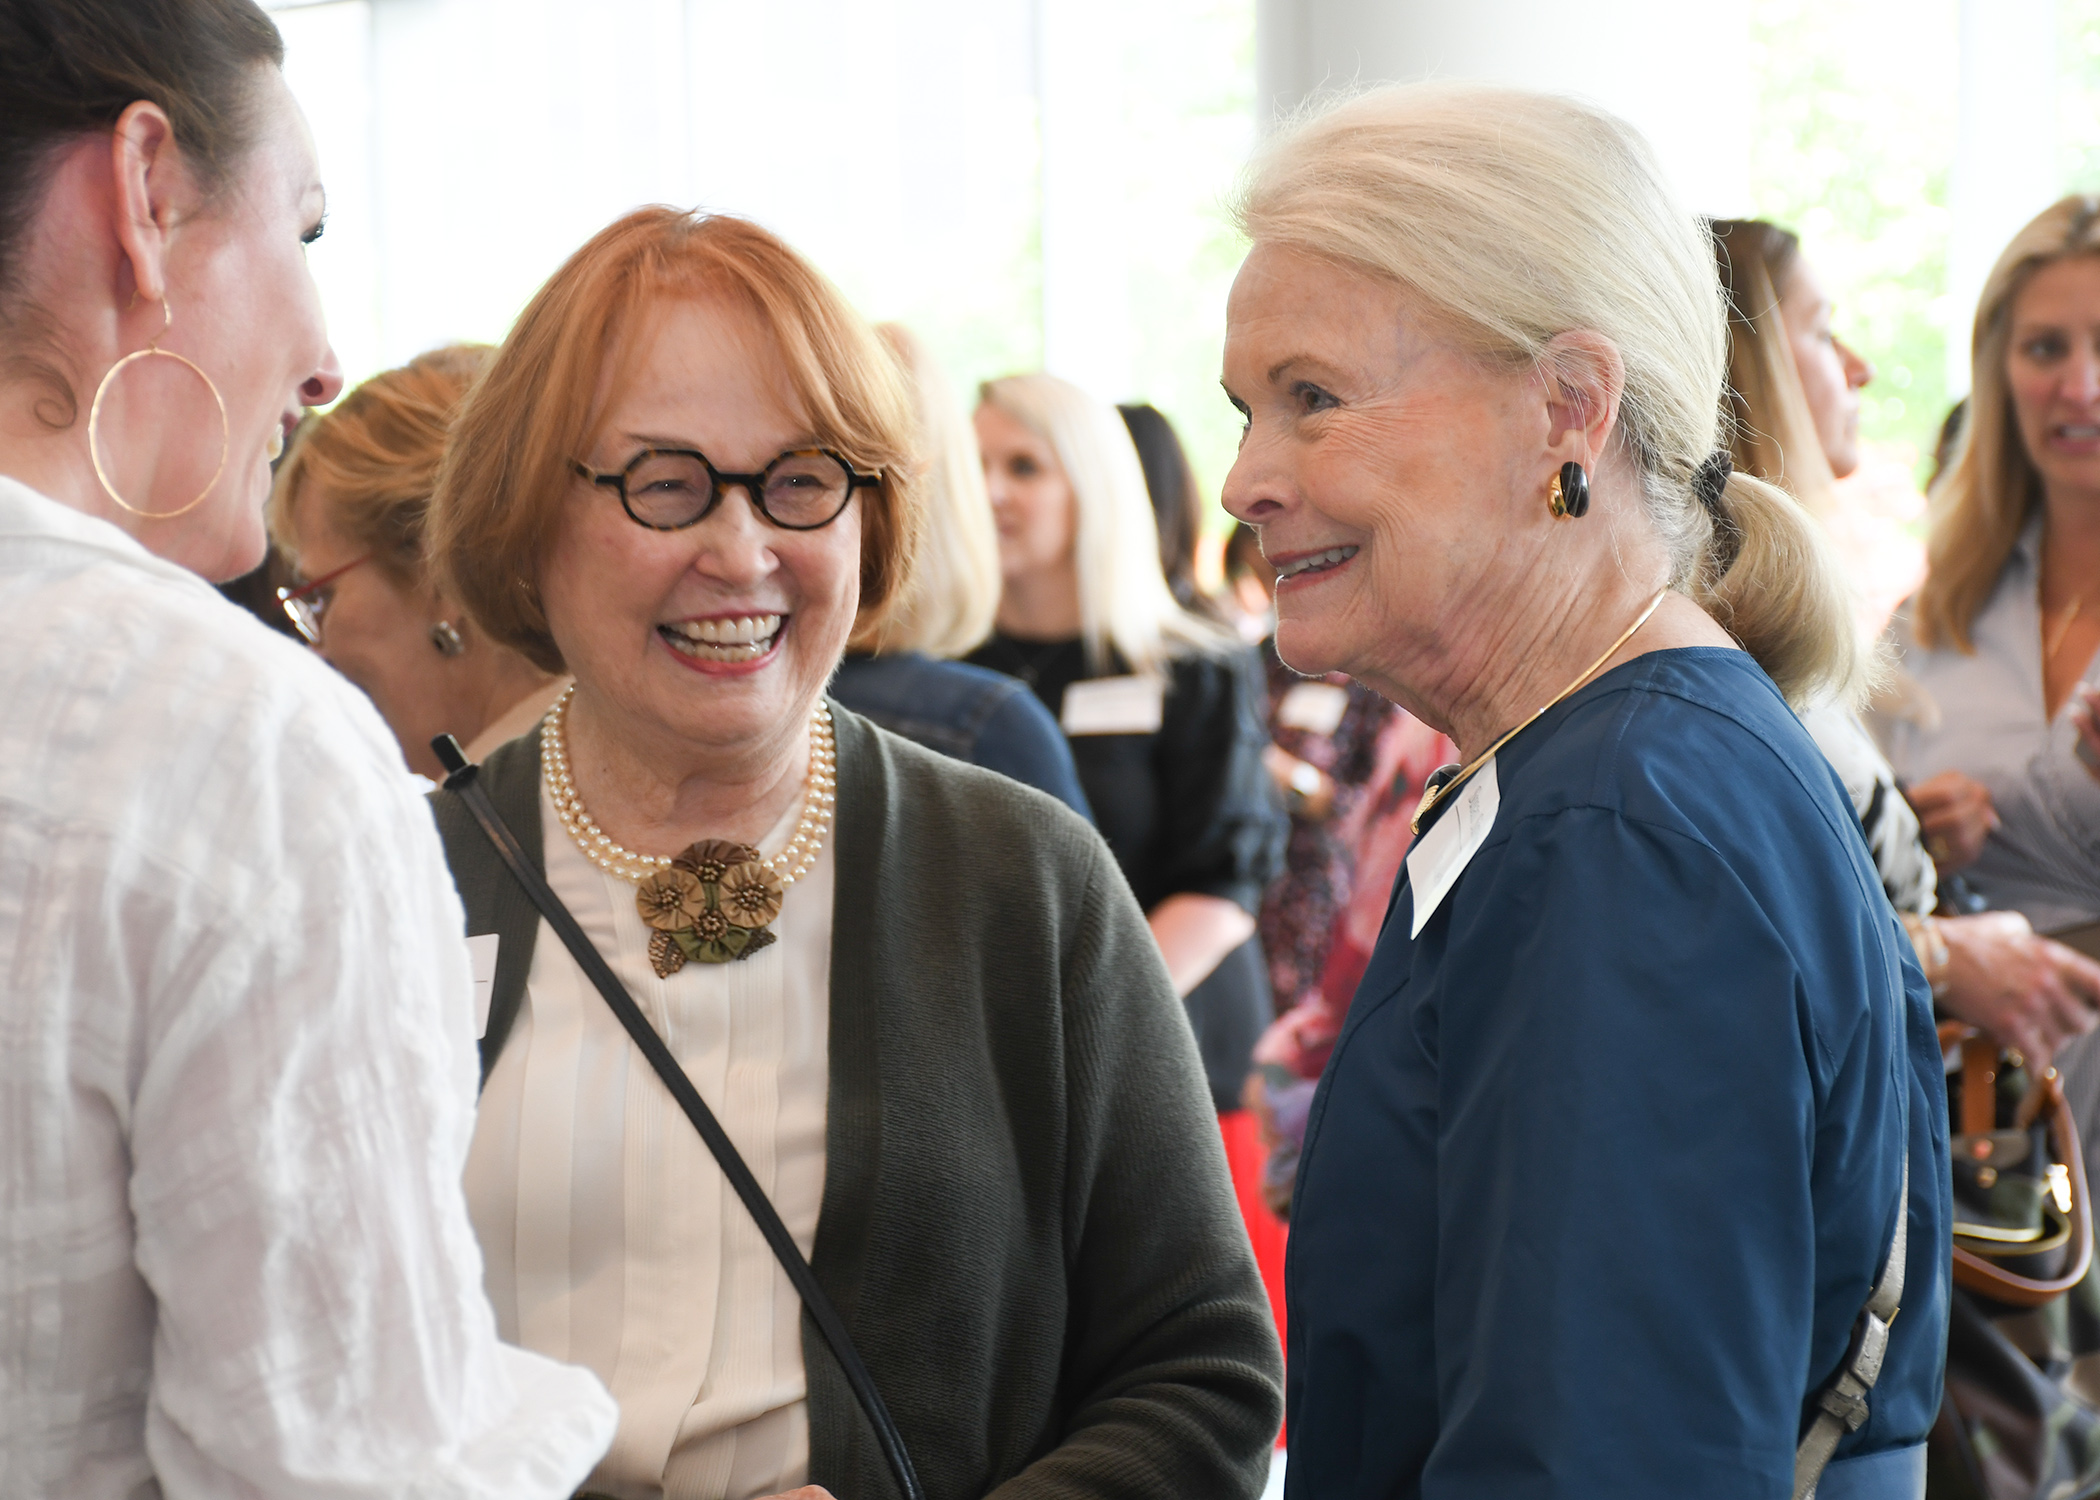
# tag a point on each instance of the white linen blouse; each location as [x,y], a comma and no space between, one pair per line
[610,1235]
[237,1071]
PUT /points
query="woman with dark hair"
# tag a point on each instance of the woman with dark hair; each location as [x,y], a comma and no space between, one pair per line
[1177,505]
[237,1088]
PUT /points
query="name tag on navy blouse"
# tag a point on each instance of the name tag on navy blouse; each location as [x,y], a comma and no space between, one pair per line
[1115,705]
[1441,855]
[1315,707]
[483,951]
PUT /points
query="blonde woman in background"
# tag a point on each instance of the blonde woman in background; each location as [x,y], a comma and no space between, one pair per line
[1164,710]
[1610,1155]
[348,509]
[902,672]
[1793,392]
[2003,637]
[2014,555]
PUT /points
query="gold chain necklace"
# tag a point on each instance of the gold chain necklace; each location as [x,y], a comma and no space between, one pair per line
[1436,794]
[714,901]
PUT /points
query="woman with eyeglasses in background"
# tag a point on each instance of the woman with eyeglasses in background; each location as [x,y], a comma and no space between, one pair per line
[917,994]
[347,509]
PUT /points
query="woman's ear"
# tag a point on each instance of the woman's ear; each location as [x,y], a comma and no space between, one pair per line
[147,172]
[1584,378]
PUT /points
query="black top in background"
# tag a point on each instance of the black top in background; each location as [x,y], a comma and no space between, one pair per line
[1189,808]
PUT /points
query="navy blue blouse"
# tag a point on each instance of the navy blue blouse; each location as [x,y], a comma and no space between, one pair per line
[1606,1162]
[986,718]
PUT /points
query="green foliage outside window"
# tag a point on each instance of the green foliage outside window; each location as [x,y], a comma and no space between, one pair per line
[1856,110]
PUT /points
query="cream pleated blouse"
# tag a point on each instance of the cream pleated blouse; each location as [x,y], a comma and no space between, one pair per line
[612,1239]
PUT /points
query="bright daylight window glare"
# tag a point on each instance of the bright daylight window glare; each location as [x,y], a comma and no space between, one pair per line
[1032,181]
[913,162]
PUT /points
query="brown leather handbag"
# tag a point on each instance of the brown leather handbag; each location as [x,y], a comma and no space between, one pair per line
[2021,1415]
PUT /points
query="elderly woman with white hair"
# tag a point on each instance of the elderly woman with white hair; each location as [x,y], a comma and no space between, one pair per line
[1165,711]
[1635,1138]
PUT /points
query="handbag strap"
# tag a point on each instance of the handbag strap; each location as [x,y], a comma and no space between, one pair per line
[460,780]
[1841,1406]
[2045,1097]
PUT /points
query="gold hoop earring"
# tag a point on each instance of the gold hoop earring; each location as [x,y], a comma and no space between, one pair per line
[151,351]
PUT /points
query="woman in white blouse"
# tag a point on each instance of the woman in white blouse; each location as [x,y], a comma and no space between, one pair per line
[2003,637]
[917,994]
[2004,633]
[236,1066]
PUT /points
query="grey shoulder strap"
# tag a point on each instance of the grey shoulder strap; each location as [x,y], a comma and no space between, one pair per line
[1841,1406]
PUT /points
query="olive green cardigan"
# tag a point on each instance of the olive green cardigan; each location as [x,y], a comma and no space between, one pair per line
[1027,1222]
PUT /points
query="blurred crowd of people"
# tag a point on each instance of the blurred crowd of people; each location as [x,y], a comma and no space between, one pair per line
[943,891]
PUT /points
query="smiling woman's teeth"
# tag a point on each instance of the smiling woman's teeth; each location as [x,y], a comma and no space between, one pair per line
[745,638]
[1319,562]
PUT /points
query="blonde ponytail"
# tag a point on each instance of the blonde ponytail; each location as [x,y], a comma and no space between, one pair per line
[1768,577]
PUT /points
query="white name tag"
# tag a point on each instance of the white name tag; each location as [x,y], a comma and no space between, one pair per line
[483,951]
[1315,707]
[1441,855]
[1115,705]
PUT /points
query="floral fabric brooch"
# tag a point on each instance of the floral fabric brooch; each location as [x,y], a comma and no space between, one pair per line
[715,904]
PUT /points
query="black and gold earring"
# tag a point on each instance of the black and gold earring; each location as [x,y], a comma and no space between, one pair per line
[1569,494]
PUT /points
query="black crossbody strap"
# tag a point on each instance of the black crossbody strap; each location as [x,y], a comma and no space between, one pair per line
[460,779]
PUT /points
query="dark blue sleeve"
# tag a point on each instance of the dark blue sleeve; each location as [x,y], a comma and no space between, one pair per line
[1671,1119]
[1021,740]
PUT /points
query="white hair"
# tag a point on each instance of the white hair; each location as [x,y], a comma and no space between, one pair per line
[1124,601]
[1524,216]
[953,593]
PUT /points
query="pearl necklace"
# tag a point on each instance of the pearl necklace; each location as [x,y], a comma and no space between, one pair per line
[819,796]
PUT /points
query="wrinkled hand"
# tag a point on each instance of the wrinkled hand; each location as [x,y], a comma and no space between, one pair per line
[2030,993]
[1956,813]
[2085,716]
